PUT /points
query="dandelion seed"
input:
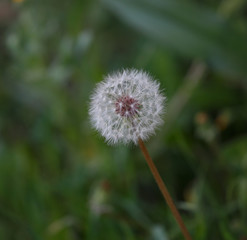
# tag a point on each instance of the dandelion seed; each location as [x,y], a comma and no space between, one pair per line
[126,106]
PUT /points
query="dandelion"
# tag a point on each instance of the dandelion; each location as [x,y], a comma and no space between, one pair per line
[127,107]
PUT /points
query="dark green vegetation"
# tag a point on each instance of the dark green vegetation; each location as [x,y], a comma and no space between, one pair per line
[60,181]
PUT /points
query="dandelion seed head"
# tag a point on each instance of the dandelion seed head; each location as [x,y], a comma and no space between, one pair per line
[127,105]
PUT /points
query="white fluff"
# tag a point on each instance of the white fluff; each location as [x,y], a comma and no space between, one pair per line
[127,105]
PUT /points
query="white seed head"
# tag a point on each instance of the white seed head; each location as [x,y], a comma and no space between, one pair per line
[127,105]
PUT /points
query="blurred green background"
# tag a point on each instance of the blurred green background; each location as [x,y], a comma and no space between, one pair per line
[59,180]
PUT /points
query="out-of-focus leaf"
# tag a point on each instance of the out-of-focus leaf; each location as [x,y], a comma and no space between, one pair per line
[158,233]
[235,151]
[225,232]
[127,231]
[135,212]
[187,30]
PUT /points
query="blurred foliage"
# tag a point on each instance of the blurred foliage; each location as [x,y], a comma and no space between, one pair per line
[60,181]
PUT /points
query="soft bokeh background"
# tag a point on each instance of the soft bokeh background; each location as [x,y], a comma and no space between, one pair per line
[60,181]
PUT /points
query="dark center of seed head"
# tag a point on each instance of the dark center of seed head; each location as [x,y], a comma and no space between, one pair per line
[126,106]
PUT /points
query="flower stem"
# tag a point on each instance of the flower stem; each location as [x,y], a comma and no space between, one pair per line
[164,190]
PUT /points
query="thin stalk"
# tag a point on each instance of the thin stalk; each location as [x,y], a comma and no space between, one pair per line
[164,190]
